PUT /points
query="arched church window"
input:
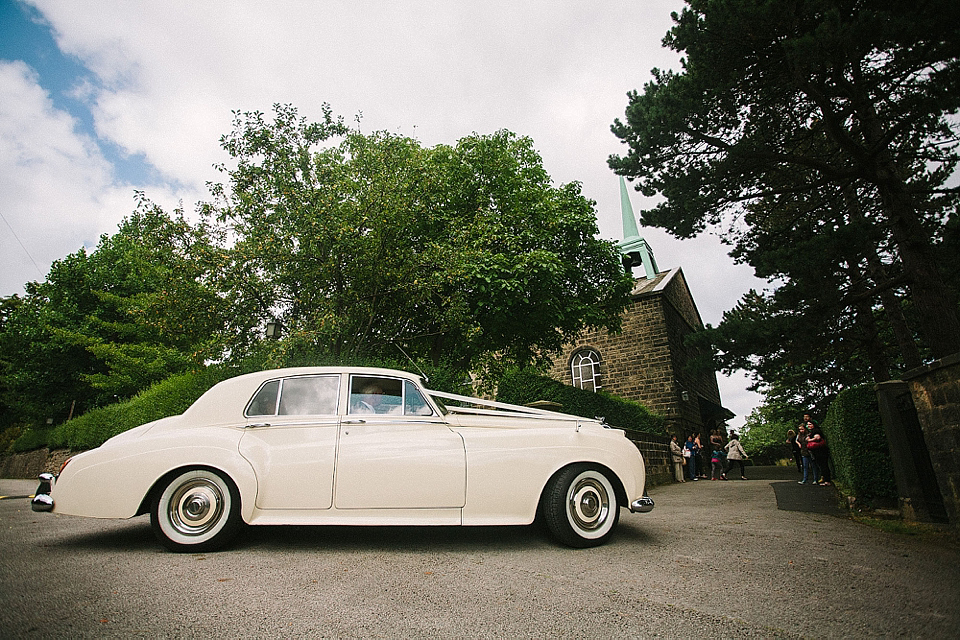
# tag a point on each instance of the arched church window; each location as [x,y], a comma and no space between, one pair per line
[585,367]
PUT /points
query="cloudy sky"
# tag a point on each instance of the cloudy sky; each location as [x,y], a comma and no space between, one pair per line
[99,98]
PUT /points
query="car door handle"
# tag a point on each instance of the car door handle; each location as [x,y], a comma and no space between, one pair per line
[256,424]
[354,422]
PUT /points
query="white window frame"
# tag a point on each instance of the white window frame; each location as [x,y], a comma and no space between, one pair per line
[586,361]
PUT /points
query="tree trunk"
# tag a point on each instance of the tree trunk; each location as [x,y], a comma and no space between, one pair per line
[889,300]
[867,325]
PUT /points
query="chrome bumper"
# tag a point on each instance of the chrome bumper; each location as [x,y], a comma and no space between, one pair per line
[642,505]
[41,499]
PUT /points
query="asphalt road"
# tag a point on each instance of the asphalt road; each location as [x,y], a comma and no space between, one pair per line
[714,559]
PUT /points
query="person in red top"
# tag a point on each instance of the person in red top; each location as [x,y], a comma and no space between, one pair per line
[817,445]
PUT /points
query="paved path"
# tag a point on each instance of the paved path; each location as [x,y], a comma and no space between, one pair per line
[714,559]
[792,496]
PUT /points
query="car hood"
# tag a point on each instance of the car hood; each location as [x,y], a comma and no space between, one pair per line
[504,420]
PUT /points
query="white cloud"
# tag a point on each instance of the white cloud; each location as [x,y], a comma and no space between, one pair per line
[59,192]
[57,188]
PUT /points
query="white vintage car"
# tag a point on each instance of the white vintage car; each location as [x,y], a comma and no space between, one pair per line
[353,446]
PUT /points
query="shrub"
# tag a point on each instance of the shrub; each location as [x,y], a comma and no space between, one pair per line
[523,387]
[169,397]
[764,435]
[858,445]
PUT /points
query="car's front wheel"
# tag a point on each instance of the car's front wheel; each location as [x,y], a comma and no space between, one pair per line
[196,510]
[580,506]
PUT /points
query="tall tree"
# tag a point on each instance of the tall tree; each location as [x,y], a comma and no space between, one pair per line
[110,322]
[792,97]
[356,242]
[837,315]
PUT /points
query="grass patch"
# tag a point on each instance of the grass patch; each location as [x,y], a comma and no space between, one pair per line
[895,526]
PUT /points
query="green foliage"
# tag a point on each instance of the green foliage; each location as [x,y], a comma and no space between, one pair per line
[8,436]
[467,256]
[525,386]
[32,438]
[175,394]
[463,254]
[858,445]
[818,139]
[107,324]
[167,398]
[764,436]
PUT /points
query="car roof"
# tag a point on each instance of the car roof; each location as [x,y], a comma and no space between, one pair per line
[226,400]
[270,374]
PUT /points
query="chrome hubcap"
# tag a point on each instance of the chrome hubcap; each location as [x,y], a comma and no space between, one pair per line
[195,507]
[589,504]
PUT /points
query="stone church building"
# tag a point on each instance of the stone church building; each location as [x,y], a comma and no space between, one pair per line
[648,361]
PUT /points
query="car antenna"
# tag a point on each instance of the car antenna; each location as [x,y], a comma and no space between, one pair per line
[426,379]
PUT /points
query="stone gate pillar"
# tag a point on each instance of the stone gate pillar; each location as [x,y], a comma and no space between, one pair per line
[917,487]
[935,389]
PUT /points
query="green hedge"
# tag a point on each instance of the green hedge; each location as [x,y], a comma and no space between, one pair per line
[167,398]
[173,395]
[858,445]
[524,387]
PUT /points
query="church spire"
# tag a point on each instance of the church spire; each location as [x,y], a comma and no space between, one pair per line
[635,249]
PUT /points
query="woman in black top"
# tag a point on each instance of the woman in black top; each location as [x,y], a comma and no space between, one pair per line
[795,449]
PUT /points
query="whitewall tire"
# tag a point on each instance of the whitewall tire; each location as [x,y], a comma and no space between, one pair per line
[580,506]
[196,510]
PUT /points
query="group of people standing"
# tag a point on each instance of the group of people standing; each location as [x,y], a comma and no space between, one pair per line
[810,452]
[689,460]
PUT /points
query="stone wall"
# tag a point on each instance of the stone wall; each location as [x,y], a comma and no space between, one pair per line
[636,363]
[936,395]
[656,457]
[647,361]
[31,464]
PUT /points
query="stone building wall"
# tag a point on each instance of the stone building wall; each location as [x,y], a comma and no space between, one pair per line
[631,368]
[32,463]
[647,361]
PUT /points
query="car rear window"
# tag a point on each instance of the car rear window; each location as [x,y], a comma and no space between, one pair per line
[300,396]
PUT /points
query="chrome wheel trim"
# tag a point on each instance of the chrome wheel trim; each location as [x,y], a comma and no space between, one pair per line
[194,507]
[589,504]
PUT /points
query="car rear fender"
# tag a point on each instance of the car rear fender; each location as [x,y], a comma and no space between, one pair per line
[507,470]
[237,470]
[117,483]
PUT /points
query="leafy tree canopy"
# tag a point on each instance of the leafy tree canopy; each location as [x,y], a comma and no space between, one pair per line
[817,137]
[108,323]
[764,435]
[463,253]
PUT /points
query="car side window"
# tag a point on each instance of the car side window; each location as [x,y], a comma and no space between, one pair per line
[302,396]
[413,401]
[264,403]
[370,394]
[309,396]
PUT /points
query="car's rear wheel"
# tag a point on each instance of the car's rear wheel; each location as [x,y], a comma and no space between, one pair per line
[197,510]
[580,506]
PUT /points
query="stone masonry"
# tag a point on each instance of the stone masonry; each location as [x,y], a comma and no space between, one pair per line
[647,362]
[936,394]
